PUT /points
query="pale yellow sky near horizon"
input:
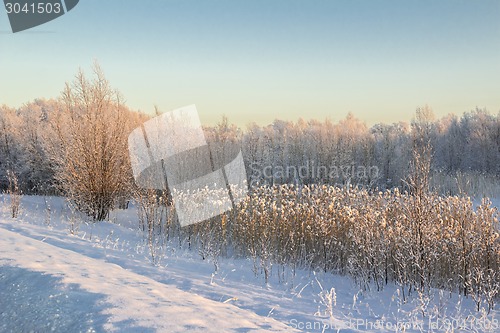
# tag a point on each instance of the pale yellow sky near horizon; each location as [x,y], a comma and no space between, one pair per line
[260,60]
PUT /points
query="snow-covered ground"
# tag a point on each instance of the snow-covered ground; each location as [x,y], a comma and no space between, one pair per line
[58,273]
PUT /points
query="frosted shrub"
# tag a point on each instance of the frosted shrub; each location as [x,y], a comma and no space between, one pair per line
[416,241]
[155,219]
[14,194]
[329,300]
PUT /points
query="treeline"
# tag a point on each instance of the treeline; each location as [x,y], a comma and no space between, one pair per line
[76,146]
[349,152]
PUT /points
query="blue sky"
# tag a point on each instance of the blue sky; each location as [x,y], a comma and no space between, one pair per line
[264,59]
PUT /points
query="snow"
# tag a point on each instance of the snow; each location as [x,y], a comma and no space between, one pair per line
[101,279]
[35,261]
[33,302]
[153,304]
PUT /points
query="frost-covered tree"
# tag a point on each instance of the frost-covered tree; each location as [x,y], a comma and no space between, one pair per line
[37,173]
[90,151]
[11,154]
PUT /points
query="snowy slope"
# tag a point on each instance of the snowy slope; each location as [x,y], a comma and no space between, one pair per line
[131,299]
[101,279]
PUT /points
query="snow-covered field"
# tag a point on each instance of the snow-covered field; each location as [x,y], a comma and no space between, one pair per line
[59,273]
